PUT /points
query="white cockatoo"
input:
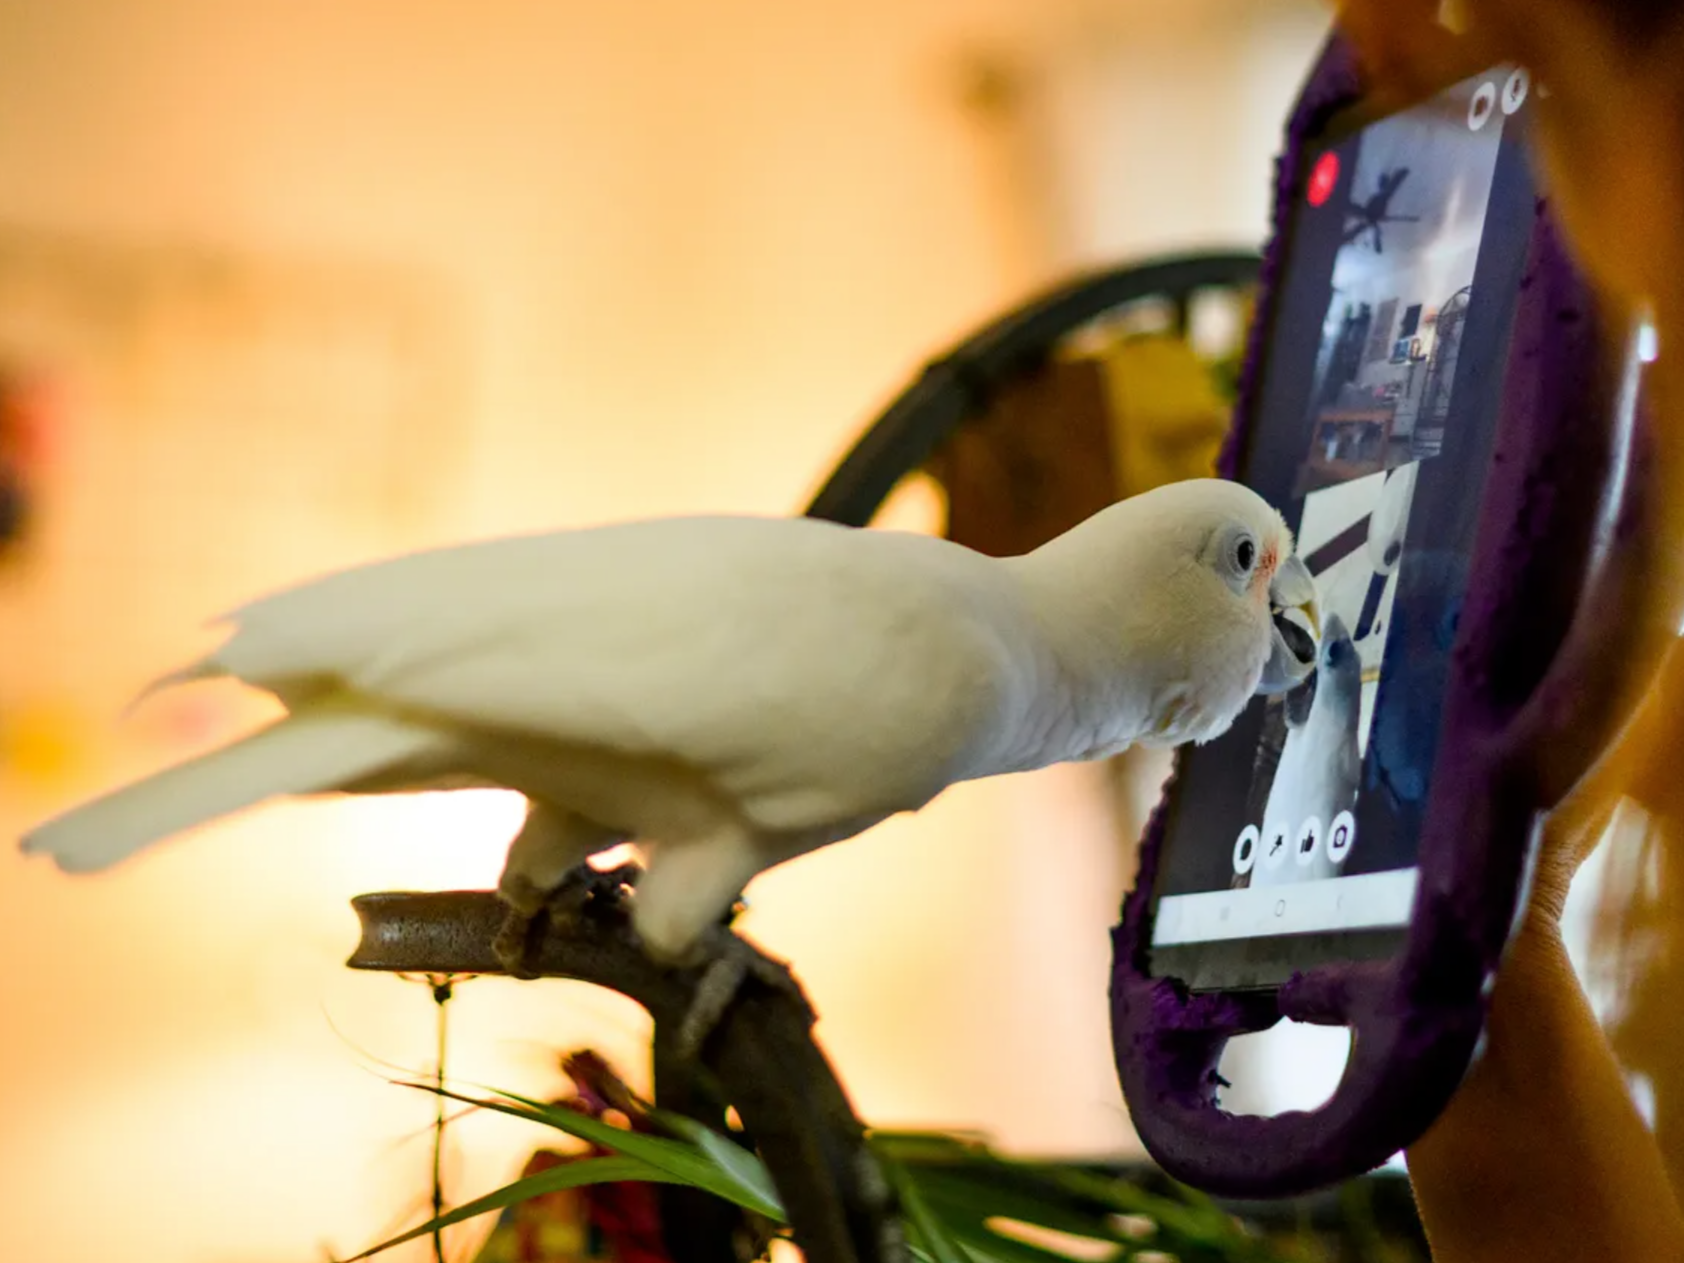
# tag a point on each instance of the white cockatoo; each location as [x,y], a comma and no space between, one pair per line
[731,692]
[1320,766]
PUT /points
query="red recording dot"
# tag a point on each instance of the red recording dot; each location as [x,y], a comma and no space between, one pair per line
[1323,177]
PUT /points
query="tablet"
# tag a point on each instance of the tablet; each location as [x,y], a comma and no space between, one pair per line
[1433,399]
[1291,840]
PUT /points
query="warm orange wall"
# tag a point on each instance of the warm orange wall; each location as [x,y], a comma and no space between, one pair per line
[688,248]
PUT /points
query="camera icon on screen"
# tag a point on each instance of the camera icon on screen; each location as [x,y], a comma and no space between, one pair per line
[1340,835]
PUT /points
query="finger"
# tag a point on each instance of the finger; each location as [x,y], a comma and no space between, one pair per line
[1405,51]
[1566,44]
[1399,43]
[1580,32]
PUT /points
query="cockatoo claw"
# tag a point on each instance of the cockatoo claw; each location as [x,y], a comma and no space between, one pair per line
[522,933]
[729,961]
[586,888]
[516,944]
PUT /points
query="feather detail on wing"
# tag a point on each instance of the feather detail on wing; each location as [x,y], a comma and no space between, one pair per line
[314,752]
[795,663]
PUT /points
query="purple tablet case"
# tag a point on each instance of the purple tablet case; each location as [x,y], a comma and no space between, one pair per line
[1527,706]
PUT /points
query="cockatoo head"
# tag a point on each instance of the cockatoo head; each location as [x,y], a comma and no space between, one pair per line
[1191,594]
[1250,550]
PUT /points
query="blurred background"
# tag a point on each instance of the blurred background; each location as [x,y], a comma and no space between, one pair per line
[287,287]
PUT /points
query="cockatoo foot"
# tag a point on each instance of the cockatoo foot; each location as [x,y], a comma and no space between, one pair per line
[727,961]
[517,940]
[521,936]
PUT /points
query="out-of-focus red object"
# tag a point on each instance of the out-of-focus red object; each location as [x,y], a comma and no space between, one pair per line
[29,416]
[599,1223]
[27,421]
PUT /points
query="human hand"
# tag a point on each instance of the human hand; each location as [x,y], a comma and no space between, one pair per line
[1610,134]
[1610,147]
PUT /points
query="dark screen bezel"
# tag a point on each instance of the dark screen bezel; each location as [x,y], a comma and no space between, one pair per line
[1262,964]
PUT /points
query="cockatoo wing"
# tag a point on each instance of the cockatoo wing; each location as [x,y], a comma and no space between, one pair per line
[323,748]
[810,672]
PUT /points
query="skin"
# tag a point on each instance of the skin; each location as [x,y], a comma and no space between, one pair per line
[1541,1155]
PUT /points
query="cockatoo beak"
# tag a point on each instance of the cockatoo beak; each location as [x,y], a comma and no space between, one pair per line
[1295,627]
[1293,588]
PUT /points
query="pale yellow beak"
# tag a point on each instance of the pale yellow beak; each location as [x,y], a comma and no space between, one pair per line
[1292,650]
[1293,588]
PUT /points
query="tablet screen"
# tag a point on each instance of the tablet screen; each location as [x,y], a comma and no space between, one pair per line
[1292,839]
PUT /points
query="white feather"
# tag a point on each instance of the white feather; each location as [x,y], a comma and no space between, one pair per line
[314,752]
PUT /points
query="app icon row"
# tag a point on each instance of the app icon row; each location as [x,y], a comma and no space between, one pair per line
[1301,846]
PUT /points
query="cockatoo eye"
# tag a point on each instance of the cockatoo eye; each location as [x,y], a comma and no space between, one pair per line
[1235,555]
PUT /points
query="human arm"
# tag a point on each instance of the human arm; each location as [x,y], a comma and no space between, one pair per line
[1542,1155]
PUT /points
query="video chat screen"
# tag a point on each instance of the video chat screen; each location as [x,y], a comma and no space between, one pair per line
[1373,436]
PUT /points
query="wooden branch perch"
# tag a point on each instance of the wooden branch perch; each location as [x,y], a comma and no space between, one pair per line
[762,1053]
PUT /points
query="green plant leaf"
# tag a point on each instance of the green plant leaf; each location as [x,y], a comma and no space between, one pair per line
[1198,1220]
[949,1187]
[731,1158]
[683,1162]
[931,1231]
[985,1199]
[571,1175]
[979,1241]
[966,1184]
